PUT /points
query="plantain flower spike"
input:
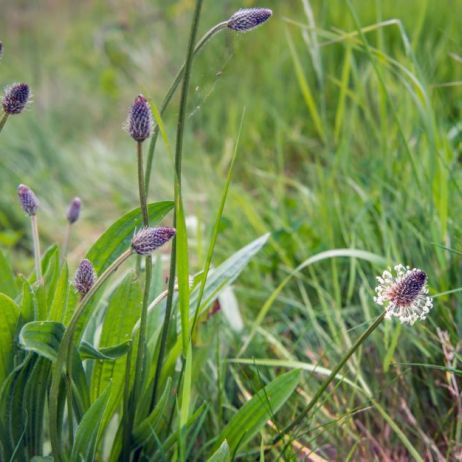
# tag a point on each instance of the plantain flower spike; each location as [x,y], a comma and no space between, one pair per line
[248,19]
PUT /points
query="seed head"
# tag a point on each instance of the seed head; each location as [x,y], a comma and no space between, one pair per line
[28,200]
[147,240]
[15,98]
[139,123]
[73,212]
[84,277]
[248,19]
[404,294]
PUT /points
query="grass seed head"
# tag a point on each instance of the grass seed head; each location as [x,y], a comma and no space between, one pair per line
[28,200]
[147,240]
[248,19]
[15,98]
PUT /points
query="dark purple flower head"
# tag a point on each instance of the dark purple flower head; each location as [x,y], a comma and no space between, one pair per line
[73,211]
[28,200]
[84,277]
[15,98]
[1,49]
[147,240]
[248,19]
[139,123]
[408,289]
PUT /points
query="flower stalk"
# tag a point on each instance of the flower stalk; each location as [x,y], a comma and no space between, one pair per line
[3,121]
[140,361]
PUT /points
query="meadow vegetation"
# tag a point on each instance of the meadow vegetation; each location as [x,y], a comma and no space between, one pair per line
[341,122]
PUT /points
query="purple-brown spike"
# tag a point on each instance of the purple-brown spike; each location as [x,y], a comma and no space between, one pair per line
[15,98]
[139,123]
[73,212]
[404,292]
[248,19]
[84,277]
[147,240]
[28,200]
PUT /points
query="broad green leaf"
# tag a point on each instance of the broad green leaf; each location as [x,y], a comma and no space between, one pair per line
[27,301]
[113,242]
[59,301]
[34,400]
[89,428]
[42,337]
[8,284]
[122,312]
[222,454]
[226,273]
[152,424]
[88,351]
[12,408]
[9,316]
[253,415]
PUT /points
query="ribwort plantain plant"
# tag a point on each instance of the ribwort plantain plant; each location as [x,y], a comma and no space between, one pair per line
[75,382]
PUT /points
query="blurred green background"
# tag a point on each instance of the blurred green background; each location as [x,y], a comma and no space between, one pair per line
[351,138]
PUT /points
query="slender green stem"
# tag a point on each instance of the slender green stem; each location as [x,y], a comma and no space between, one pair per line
[36,244]
[126,410]
[178,155]
[64,353]
[140,364]
[171,91]
[329,379]
[3,121]
[67,240]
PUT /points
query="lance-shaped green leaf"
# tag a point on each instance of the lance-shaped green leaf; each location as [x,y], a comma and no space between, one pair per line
[9,315]
[253,415]
[88,351]
[42,337]
[222,454]
[8,284]
[89,429]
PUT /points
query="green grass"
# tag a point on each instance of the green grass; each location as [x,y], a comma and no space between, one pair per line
[351,140]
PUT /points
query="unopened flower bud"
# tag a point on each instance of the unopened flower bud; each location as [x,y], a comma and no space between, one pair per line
[147,240]
[139,123]
[28,200]
[84,277]
[73,212]
[249,18]
[15,98]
